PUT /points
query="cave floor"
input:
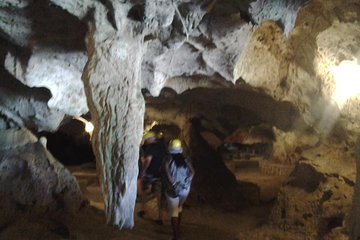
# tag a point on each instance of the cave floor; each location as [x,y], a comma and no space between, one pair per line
[199,221]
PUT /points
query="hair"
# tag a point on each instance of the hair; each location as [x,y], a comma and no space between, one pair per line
[179,159]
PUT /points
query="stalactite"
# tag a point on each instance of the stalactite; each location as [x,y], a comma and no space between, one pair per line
[117,107]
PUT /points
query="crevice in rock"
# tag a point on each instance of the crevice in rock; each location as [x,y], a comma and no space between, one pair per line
[328,224]
[137,13]
[306,177]
[215,183]
[70,144]
[69,35]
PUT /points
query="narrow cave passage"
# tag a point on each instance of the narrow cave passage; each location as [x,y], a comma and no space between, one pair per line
[70,144]
[221,198]
[252,152]
[228,134]
[229,149]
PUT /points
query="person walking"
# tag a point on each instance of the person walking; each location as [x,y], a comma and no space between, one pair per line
[149,174]
[177,177]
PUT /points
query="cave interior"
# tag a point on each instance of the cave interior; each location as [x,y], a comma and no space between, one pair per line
[263,94]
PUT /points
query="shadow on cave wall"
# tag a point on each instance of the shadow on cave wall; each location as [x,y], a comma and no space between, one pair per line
[214,183]
[70,34]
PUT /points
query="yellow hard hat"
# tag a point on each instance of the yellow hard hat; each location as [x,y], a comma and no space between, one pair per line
[175,143]
[148,135]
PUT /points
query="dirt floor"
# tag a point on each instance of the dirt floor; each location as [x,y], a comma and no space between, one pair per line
[200,222]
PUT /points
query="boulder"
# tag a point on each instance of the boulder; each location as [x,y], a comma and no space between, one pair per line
[315,200]
[32,181]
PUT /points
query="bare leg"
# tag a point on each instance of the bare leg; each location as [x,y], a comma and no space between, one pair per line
[160,212]
[142,199]
[182,199]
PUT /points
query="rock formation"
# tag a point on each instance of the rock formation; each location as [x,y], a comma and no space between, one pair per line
[117,107]
[32,180]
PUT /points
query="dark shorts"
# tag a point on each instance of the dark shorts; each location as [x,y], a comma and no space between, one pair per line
[151,182]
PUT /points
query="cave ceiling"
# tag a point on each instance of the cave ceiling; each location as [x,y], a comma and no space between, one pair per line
[283,49]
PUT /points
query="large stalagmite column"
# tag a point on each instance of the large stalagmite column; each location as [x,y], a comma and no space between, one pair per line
[116,104]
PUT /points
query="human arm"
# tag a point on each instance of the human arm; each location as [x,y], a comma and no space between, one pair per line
[166,170]
[191,168]
[145,163]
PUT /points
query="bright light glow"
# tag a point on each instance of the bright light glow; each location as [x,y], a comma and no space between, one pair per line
[89,127]
[347,78]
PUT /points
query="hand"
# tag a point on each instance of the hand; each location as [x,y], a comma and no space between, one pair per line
[188,180]
[172,190]
[174,185]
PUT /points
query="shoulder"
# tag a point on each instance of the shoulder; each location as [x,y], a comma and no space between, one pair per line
[188,162]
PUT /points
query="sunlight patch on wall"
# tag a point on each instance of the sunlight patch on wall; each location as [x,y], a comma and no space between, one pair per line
[347,79]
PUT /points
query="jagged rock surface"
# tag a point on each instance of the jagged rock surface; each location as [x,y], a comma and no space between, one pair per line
[23,106]
[16,3]
[15,26]
[318,195]
[32,181]
[284,12]
[58,71]
[117,109]
[293,62]
[287,146]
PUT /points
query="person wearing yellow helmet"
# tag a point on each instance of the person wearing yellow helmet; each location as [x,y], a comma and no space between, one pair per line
[178,175]
[175,146]
[153,153]
[149,137]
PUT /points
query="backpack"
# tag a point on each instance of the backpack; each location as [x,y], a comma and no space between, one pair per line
[181,176]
